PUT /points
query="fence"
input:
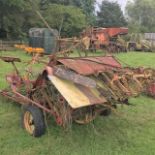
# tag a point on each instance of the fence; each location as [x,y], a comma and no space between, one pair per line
[151,38]
[8,45]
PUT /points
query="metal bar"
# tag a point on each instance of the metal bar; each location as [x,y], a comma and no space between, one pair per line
[25,99]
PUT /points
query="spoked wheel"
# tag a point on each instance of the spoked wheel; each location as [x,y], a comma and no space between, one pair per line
[33,120]
[29,122]
[85,120]
[84,115]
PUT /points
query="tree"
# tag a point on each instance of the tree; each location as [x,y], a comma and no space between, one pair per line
[16,17]
[141,15]
[9,8]
[87,6]
[110,15]
[69,19]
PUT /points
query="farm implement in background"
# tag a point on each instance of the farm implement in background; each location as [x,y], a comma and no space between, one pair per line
[47,41]
[106,38]
[74,89]
[138,42]
[44,42]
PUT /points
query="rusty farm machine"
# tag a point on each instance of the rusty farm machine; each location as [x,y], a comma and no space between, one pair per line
[108,39]
[74,89]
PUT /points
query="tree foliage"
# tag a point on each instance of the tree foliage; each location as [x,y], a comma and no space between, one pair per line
[18,16]
[15,17]
[141,15]
[68,19]
[9,8]
[110,15]
[87,6]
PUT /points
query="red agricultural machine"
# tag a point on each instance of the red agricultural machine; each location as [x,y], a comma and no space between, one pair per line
[106,38]
[74,89]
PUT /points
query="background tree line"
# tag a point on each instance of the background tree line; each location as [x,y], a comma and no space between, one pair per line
[71,16]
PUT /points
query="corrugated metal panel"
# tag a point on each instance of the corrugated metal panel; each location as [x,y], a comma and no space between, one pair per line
[88,66]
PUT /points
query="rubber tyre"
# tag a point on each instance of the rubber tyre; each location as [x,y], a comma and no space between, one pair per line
[38,119]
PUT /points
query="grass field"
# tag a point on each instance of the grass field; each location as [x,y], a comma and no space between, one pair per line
[130,132]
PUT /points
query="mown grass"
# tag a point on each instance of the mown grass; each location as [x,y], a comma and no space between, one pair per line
[129,132]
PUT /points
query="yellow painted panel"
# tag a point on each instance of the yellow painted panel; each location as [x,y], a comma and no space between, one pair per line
[70,92]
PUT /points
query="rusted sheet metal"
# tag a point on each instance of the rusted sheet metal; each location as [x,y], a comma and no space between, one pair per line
[107,60]
[74,77]
[90,65]
[77,96]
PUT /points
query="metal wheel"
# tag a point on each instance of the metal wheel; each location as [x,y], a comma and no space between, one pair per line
[29,122]
[84,115]
[86,119]
[33,120]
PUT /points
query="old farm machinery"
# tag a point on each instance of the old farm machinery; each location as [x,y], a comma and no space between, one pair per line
[74,89]
[106,38]
[138,42]
[47,41]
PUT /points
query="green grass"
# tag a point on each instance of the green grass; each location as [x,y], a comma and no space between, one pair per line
[129,132]
[137,59]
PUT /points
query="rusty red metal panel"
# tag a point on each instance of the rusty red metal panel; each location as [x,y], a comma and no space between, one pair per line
[106,60]
[90,65]
[117,31]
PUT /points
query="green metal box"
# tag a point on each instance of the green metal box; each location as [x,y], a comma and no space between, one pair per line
[43,38]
